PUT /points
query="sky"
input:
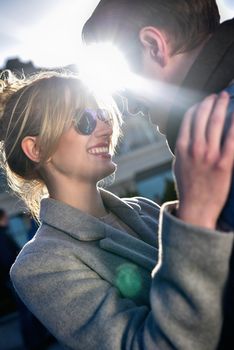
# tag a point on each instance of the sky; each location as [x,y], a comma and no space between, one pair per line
[48,32]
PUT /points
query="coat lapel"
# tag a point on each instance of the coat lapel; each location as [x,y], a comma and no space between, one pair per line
[130,213]
[85,227]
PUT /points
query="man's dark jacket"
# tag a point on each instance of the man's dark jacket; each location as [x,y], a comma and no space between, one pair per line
[212,72]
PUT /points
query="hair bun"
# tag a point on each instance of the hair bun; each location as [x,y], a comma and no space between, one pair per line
[9,83]
[7,79]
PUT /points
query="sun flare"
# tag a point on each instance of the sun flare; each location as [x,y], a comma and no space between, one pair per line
[103,68]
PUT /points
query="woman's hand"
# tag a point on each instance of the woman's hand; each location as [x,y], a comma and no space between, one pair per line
[203,165]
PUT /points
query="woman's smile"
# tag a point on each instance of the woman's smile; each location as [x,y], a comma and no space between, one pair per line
[100,150]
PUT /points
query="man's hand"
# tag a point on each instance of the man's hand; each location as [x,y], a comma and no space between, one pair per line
[203,165]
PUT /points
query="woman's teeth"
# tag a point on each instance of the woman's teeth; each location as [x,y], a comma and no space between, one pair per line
[98,150]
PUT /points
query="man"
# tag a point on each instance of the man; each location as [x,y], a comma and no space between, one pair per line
[177,42]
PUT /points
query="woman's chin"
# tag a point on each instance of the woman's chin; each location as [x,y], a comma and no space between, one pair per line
[109,172]
[111,169]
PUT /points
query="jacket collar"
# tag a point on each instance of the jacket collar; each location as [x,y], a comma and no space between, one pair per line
[212,72]
[214,69]
[84,226]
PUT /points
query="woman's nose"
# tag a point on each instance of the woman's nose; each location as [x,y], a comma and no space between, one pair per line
[103,128]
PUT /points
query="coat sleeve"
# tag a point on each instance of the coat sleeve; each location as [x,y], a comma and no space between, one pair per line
[84,311]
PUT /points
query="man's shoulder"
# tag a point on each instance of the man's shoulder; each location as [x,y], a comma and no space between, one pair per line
[230,88]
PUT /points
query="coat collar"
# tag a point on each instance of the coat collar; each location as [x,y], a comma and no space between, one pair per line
[83,226]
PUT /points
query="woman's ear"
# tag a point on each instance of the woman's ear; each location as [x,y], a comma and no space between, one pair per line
[156,44]
[30,148]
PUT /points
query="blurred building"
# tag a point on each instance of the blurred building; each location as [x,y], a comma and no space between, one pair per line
[14,64]
[143,163]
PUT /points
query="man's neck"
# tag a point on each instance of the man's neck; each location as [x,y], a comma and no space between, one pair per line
[175,73]
[181,64]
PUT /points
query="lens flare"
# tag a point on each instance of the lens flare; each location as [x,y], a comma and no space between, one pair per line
[103,68]
[129,280]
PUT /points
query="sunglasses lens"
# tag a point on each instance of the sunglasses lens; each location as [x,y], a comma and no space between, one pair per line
[86,123]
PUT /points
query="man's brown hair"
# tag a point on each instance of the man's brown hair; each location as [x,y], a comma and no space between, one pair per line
[187,22]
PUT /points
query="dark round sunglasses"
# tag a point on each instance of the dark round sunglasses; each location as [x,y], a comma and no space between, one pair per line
[85,121]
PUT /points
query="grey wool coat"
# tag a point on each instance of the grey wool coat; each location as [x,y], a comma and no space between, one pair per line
[97,288]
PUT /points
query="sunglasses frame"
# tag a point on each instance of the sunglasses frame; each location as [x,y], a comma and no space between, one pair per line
[81,116]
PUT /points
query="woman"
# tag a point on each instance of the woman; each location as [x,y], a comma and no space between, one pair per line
[93,274]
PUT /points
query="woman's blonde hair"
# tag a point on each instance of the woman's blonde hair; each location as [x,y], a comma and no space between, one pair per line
[41,105]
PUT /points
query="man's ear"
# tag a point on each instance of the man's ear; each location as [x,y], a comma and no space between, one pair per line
[30,148]
[155,42]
